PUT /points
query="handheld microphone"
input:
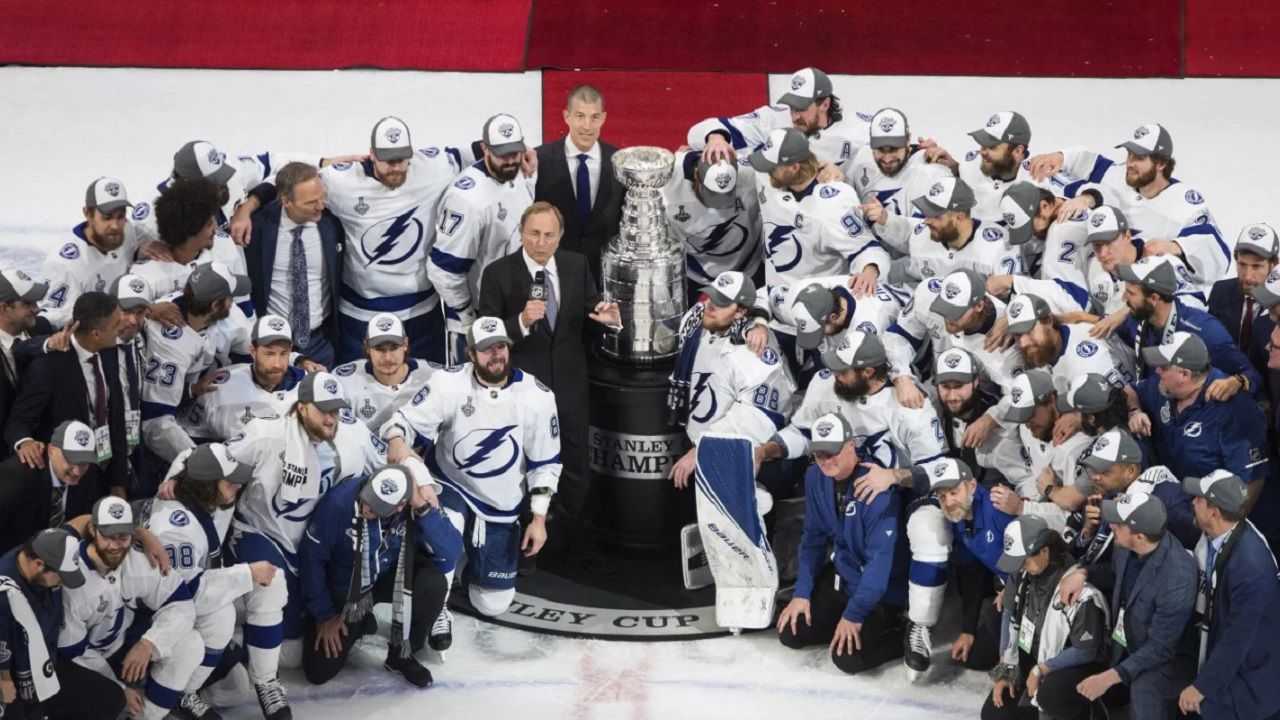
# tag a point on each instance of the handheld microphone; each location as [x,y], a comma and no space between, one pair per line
[538,291]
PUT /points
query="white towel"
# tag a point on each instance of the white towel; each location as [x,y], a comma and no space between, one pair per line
[300,474]
[42,674]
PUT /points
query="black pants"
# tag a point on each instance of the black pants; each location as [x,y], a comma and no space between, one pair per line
[428,600]
[985,652]
[85,695]
[881,631]
[1057,697]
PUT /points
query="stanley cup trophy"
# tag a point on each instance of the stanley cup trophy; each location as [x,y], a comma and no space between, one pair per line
[632,449]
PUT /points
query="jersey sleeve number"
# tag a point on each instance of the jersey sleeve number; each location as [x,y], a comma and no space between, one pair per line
[160,373]
[766,398]
[449,221]
[851,224]
[58,297]
[1067,256]
[182,556]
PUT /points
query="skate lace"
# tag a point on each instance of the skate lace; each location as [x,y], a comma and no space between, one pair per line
[271,696]
[196,704]
[919,640]
[443,623]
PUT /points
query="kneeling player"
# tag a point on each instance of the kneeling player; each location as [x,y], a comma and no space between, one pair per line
[855,600]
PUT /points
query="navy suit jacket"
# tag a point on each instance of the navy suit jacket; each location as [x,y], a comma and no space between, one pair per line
[555,185]
[260,258]
[1226,303]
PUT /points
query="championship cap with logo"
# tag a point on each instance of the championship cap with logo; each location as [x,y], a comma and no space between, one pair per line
[214,281]
[75,440]
[503,135]
[199,159]
[486,332]
[889,129]
[805,87]
[386,489]
[1259,239]
[961,291]
[1088,393]
[1023,537]
[1004,127]
[857,350]
[1221,488]
[17,285]
[1028,391]
[731,288]
[271,328]
[813,304]
[1113,447]
[1136,510]
[390,140]
[1150,139]
[131,291]
[322,390]
[948,473]
[943,196]
[719,183]
[784,146]
[1018,206]
[829,433]
[106,194]
[1024,312]
[1184,350]
[1106,224]
[61,553]
[955,365]
[1155,273]
[1268,293]
[214,461]
[383,328]
[112,516]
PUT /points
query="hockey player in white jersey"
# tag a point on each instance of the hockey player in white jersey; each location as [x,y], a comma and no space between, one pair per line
[178,359]
[1058,482]
[388,207]
[809,107]
[192,526]
[479,222]
[295,458]
[267,385]
[494,432]
[713,210]
[103,247]
[1057,251]
[120,582]
[811,228]
[1064,350]
[1167,215]
[993,456]
[387,379]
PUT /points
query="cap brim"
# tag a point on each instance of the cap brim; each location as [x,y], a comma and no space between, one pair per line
[1093,462]
[888,141]
[1022,234]
[273,337]
[1019,414]
[332,405]
[1110,512]
[1265,296]
[796,102]
[717,298]
[1010,563]
[133,303]
[243,285]
[241,475]
[71,578]
[825,446]
[1153,357]
[946,309]
[1134,148]
[393,154]
[112,205]
[1021,327]
[985,139]
[35,293]
[1103,237]
[507,148]
[1191,486]
[928,208]
[80,457]
[718,200]
[952,375]
[489,342]
[760,162]
[377,340]
[222,175]
[115,529]
[831,360]
[810,339]
[1064,404]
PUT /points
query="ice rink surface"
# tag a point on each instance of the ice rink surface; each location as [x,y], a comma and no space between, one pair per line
[62,127]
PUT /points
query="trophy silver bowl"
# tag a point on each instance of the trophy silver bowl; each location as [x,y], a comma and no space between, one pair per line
[642,268]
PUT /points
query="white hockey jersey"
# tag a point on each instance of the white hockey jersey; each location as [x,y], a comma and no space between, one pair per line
[1178,213]
[1067,251]
[479,222]
[1082,354]
[1001,452]
[715,240]
[895,436]
[872,314]
[897,191]
[1106,291]
[192,538]
[237,399]
[987,252]
[1063,459]
[814,232]
[488,442]
[78,267]
[371,401]
[264,506]
[987,191]
[389,232]
[836,144]
[99,613]
[734,391]
[175,357]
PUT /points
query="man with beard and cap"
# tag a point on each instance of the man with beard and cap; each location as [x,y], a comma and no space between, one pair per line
[387,378]
[1064,350]
[1029,212]
[388,207]
[891,170]
[809,106]
[961,402]
[1170,218]
[34,680]
[296,458]
[192,526]
[712,208]
[103,248]
[1060,484]
[267,385]
[494,432]
[1156,314]
[121,588]
[19,295]
[479,222]
[176,363]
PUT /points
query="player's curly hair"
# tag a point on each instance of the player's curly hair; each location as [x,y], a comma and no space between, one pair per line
[835,113]
[201,492]
[184,209]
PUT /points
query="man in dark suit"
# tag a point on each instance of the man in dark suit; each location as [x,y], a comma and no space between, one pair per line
[550,334]
[33,498]
[1231,300]
[82,384]
[294,260]
[19,294]
[575,174]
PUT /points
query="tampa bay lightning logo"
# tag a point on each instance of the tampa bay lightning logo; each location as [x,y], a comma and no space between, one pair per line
[393,240]
[300,510]
[703,394]
[69,251]
[783,247]
[486,452]
[1140,133]
[1087,348]
[113,189]
[1193,197]
[723,240]
[388,488]
[876,448]
[179,519]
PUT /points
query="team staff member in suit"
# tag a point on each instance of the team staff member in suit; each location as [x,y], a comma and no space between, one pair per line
[33,498]
[294,261]
[1232,300]
[19,294]
[576,175]
[549,333]
[1240,632]
[83,385]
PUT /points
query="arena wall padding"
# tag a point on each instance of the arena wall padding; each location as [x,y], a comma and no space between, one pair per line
[1232,38]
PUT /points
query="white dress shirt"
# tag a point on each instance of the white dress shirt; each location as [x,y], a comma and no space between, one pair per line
[553,280]
[280,298]
[86,369]
[571,153]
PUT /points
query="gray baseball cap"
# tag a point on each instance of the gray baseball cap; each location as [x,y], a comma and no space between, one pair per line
[1024,312]
[1183,350]
[945,195]
[1113,447]
[106,194]
[1268,293]
[503,135]
[390,140]
[889,129]
[214,281]
[1259,239]
[1088,393]
[76,441]
[829,433]
[961,291]
[1221,488]
[1003,127]
[1136,510]
[200,159]
[486,332]
[271,328]
[1018,207]
[112,516]
[731,288]
[61,553]
[383,328]
[948,473]
[806,86]
[1149,139]
[131,291]
[1106,224]
[784,146]
[324,391]
[956,364]
[813,304]
[1023,537]
[214,461]
[1154,273]
[386,489]
[1028,391]
[17,285]
[857,350]
[719,183]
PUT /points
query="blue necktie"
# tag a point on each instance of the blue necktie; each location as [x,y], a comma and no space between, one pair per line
[1209,557]
[299,297]
[583,182]
[553,306]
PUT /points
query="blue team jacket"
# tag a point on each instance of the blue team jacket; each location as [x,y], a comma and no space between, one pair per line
[1223,353]
[982,538]
[46,604]
[328,552]
[871,555]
